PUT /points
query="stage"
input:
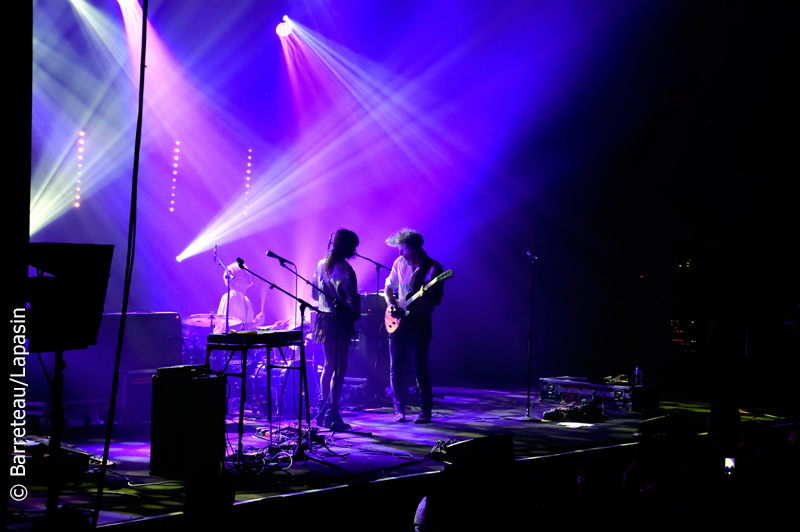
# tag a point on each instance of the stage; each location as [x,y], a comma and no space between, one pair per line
[383,461]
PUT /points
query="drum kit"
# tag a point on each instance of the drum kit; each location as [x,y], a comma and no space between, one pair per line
[279,388]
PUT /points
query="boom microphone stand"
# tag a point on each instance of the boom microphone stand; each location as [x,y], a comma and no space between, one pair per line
[373,381]
[299,454]
[378,267]
[228,277]
[337,303]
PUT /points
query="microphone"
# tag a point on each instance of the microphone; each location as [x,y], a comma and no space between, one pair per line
[281,259]
[240,262]
[330,240]
[533,257]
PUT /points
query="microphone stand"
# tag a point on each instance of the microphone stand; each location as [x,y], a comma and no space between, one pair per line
[375,385]
[378,267]
[228,277]
[299,453]
[336,304]
[531,362]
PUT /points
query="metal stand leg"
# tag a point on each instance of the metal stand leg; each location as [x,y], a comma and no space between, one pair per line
[55,435]
[241,403]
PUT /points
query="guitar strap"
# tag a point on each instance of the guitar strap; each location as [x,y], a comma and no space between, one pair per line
[418,279]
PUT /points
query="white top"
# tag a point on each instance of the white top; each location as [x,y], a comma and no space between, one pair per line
[241,308]
[399,281]
[342,284]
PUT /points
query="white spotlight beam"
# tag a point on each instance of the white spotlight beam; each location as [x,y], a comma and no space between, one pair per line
[74,97]
[384,120]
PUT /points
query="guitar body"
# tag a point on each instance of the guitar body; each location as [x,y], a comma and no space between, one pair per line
[393,323]
[390,322]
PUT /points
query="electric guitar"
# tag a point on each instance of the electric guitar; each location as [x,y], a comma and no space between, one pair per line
[393,323]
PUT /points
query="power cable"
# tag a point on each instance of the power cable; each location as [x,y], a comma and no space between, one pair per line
[128,270]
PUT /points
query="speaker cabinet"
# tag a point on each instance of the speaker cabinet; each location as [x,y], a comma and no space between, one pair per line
[188,426]
[370,358]
[152,340]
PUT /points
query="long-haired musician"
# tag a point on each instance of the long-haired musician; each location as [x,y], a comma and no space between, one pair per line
[335,325]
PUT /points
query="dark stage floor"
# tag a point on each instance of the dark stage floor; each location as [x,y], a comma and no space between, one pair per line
[376,448]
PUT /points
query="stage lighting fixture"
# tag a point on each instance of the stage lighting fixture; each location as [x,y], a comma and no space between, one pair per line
[284,29]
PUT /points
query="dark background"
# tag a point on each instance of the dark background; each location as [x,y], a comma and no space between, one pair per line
[681,150]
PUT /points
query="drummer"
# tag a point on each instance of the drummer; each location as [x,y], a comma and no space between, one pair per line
[240,306]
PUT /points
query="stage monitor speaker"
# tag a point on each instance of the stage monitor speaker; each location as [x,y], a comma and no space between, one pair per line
[188,425]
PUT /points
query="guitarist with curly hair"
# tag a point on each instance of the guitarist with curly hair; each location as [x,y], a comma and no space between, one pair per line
[412,292]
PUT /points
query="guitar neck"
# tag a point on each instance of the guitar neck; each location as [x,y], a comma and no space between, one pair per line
[392,321]
[418,293]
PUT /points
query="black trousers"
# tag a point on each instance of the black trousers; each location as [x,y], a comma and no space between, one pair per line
[412,338]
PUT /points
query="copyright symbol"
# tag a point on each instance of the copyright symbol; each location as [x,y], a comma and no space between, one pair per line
[19,492]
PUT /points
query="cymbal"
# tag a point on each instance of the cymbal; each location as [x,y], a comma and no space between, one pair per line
[208,320]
